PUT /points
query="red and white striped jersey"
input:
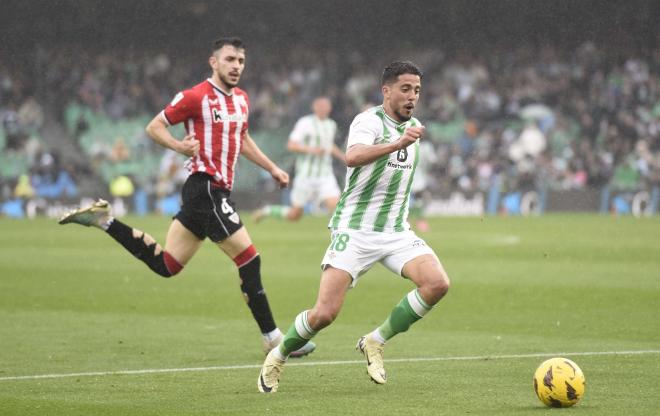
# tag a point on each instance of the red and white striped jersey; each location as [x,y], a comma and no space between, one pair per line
[219,121]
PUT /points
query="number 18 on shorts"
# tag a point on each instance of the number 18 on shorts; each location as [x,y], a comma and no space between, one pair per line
[356,251]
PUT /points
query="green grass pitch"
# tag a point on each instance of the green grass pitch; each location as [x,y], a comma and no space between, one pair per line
[523,289]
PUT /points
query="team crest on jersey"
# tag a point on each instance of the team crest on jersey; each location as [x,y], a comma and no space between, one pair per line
[401,158]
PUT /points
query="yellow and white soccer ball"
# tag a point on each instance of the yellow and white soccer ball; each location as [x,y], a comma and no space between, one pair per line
[559,382]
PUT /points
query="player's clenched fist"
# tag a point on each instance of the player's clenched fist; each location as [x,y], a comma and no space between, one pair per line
[189,146]
[280,176]
[410,136]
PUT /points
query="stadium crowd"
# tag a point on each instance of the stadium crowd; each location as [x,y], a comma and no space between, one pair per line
[546,117]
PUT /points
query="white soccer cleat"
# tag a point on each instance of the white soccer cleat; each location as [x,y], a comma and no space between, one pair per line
[300,352]
[373,352]
[93,215]
[269,377]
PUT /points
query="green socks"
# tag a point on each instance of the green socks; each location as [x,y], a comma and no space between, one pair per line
[410,310]
[297,335]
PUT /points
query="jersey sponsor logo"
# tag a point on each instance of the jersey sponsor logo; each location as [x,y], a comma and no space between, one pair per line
[176,99]
[399,166]
[219,116]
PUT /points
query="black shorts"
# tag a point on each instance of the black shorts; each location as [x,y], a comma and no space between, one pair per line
[206,209]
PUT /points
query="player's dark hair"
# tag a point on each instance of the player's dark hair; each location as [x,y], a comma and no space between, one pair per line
[392,71]
[229,40]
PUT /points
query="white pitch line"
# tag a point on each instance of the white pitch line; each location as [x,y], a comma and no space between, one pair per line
[317,363]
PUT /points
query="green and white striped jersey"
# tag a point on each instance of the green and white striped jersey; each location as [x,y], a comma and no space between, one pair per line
[375,197]
[312,131]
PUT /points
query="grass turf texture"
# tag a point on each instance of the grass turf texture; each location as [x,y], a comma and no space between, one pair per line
[73,301]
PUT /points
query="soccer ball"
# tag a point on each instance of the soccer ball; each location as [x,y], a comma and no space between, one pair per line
[559,382]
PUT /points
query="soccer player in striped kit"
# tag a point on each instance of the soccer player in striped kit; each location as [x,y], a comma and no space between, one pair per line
[370,225]
[313,141]
[215,115]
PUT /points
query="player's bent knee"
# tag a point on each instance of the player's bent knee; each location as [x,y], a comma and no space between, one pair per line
[441,287]
[321,318]
[164,264]
[435,288]
[249,270]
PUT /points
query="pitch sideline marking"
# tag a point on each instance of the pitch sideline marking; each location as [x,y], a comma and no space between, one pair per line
[316,363]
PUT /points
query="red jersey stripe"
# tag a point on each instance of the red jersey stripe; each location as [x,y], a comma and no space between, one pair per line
[218,121]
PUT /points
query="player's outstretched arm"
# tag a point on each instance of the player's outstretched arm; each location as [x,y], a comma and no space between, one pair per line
[363,154]
[251,151]
[158,132]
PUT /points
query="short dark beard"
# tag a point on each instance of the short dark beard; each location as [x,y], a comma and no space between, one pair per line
[226,82]
[402,118]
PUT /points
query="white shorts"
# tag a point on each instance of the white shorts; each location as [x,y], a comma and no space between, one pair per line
[356,251]
[314,190]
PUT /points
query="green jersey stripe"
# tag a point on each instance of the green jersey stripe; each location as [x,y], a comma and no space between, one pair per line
[365,196]
[316,158]
[352,181]
[304,161]
[313,132]
[393,186]
[386,134]
[398,225]
[392,191]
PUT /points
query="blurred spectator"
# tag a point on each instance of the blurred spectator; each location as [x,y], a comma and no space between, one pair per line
[24,188]
[30,115]
[171,176]
[120,152]
[567,117]
[52,181]
[14,134]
